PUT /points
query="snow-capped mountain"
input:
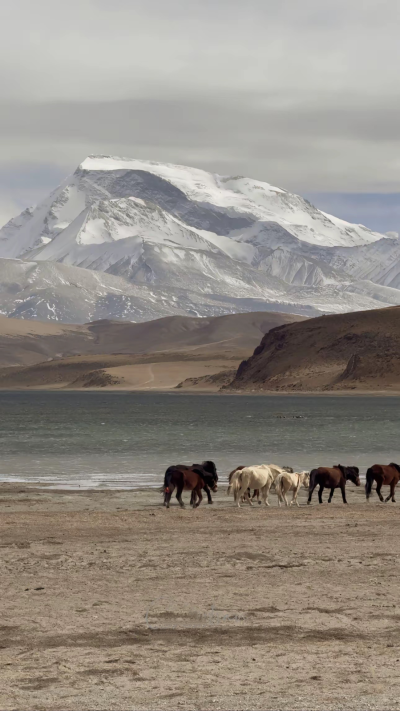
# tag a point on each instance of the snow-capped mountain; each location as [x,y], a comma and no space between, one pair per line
[180,240]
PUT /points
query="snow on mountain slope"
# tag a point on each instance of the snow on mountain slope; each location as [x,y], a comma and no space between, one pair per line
[378,262]
[213,243]
[56,292]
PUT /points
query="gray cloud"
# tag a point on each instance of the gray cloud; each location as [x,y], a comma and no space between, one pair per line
[300,94]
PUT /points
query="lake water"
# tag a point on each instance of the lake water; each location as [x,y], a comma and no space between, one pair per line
[128,439]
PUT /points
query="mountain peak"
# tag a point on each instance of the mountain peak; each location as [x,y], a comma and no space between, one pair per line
[203,243]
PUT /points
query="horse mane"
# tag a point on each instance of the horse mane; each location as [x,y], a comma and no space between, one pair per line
[210,467]
[341,468]
[396,466]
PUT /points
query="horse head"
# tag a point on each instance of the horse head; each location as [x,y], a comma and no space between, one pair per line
[209,474]
[351,474]
[396,466]
[305,479]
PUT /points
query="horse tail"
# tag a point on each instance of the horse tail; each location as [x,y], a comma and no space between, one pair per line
[169,485]
[313,474]
[368,483]
[236,484]
[232,479]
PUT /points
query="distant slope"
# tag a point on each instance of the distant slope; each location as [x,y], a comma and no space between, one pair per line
[143,240]
[358,350]
[233,333]
[24,342]
[117,353]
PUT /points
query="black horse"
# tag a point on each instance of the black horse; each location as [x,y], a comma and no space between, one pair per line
[332,478]
[190,478]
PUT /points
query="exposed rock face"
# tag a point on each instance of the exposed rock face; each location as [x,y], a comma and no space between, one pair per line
[96,379]
[359,350]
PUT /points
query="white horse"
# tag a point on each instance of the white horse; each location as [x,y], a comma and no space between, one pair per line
[258,477]
[285,482]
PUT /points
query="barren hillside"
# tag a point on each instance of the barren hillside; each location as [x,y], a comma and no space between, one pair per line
[159,353]
[351,351]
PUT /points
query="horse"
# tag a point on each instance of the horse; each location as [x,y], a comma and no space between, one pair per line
[291,482]
[257,477]
[333,478]
[190,478]
[382,474]
[256,492]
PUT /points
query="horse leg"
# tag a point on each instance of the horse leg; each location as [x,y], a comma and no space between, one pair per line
[264,495]
[310,493]
[208,492]
[331,495]
[284,497]
[378,488]
[391,495]
[241,494]
[266,489]
[246,497]
[343,490]
[179,496]
[320,491]
[294,496]
[200,498]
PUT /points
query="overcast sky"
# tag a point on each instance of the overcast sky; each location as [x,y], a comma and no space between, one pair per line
[303,94]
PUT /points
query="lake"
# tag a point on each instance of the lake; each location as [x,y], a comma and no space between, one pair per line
[92,439]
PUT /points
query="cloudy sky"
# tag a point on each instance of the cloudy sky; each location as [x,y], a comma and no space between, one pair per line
[303,94]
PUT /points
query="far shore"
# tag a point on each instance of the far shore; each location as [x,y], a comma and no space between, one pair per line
[198,391]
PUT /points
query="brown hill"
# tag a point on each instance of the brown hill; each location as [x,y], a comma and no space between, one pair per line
[350,351]
[122,354]
[233,332]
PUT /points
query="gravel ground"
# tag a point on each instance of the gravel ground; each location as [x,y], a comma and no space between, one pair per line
[109,601]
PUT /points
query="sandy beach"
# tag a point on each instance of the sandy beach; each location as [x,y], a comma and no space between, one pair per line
[109,601]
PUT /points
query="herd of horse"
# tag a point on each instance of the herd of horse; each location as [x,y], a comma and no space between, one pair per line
[262,478]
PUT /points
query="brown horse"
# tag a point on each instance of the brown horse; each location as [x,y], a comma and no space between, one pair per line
[332,478]
[383,475]
[194,479]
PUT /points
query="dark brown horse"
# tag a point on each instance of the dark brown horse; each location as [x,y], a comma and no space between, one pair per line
[190,478]
[383,475]
[332,478]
